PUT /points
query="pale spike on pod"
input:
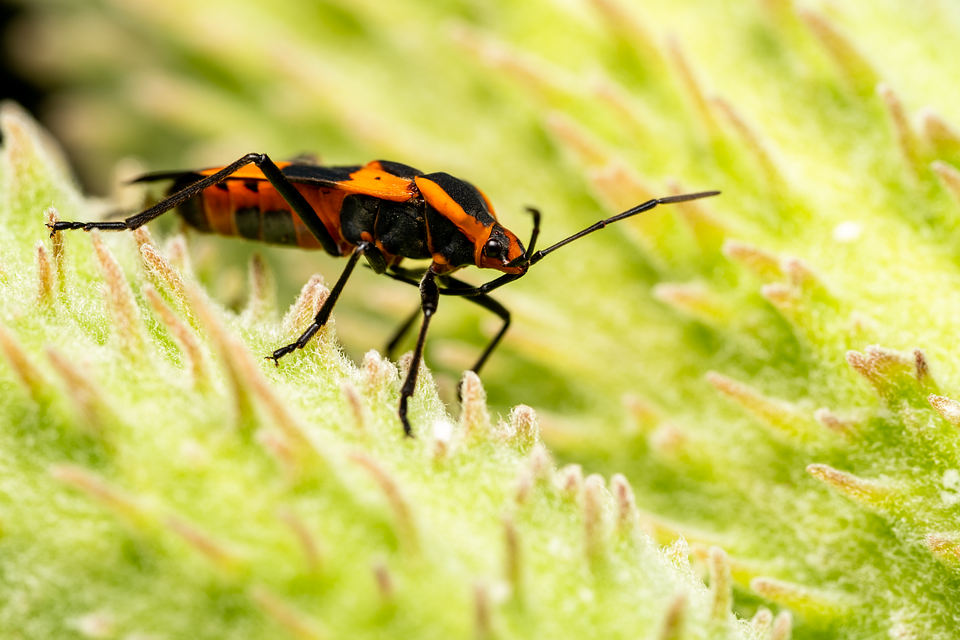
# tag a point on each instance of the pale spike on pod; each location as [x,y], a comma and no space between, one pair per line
[673,621]
[802,276]
[694,299]
[386,583]
[50,217]
[692,86]
[627,516]
[673,444]
[921,370]
[168,277]
[263,289]
[615,97]
[721,585]
[128,328]
[892,373]
[584,147]
[474,415]
[762,622]
[678,552]
[126,507]
[779,11]
[294,622]
[758,261]
[628,25]
[540,464]
[306,306]
[195,360]
[528,72]
[46,275]
[248,383]
[851,63]
[782,627]
[86,394]
[752,140]
[405,524]
[441,438]
[312,554]
[142,236]
[618,185]
[179,256]
[482,611]
[787,301]
[96,624]
[594,526]
[813,603]
[378,375]
[938,134]
[23,367]
[285,453]
[781,417]
[26,145]
[524,429]
[524,486]
[902,130]
[234,358]
[949,177]
[945,547]
[840,425]
[218,553]
[643,416]
[570,482]
[741,571]
[870,493]
[905,624]
[358,411]
[513,560]
[707,230]
[948,408]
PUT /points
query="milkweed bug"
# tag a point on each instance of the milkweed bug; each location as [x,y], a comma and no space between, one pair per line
[383,211]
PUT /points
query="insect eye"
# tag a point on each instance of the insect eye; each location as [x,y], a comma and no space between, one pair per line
[491,249]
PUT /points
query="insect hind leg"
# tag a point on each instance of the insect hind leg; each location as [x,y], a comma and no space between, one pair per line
[168,203]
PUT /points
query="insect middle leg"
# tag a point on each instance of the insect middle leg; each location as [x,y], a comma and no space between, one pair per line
[429,299]
[452,285]
[327,307]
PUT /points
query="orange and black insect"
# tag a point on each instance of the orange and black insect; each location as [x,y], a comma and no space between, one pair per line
[383,211]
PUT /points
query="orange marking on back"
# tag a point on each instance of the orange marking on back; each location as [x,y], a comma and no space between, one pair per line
[489,204]
[372,180]
[437,198]
[248,172]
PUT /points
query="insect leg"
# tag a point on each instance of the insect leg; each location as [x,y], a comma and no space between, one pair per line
[324,314]
[401,332]
[145,216]
[270,170]
[429,298]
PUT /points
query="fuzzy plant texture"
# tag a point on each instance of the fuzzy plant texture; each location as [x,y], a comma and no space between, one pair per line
[772,369]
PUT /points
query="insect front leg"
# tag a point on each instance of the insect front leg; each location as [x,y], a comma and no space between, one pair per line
[327,307]
[489,304]
[429,298]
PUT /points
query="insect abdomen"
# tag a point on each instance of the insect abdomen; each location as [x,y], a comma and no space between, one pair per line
[254,210]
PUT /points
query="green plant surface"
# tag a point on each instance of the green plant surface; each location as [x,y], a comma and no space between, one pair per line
[772,369]
[157,480]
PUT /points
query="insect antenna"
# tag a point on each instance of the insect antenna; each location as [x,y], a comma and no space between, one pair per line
[529,258]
